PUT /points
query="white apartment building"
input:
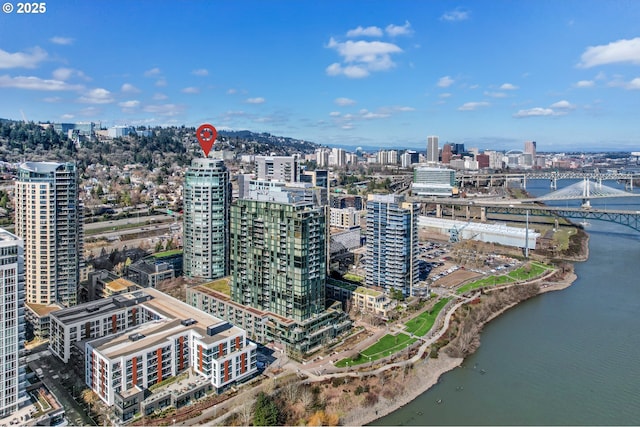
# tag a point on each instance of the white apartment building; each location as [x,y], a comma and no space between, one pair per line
[344,218]
[145,337]
[12,375]
[49,220]
[278,168]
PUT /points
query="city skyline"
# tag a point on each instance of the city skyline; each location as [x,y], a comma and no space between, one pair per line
[486,74]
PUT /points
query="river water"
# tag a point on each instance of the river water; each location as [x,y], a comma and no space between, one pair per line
[570,357]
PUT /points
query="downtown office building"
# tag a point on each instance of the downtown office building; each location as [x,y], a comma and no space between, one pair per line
[207,197]
[392,243]
[49,220]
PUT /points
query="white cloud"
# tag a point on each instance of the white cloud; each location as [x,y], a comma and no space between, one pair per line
[403,108]
[456,15]
[52,99]
[534,112]
[614,52]
[344,101]
[368,115]
[472,106]
[61,40]
[160,97]
[29,59]
[563,105]
[334,114]
[66,73]
[161,82]
[634,84]
[445,95]
[130,104]
[559,108]
[152,72]
[232,91]
[258,100]
[585,83]
[495,94]
[351,71]
[67,116]
[62,74]
[129,88]
[97,96]
[164,109]
[445,81]
[368,31]
[191,90]
[361,57]
[200,72]
[399,30]
[508,86]
[36,83]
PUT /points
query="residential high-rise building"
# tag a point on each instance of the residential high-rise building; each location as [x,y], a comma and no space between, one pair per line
[432,149]
[49,220]
[279,256]
[278,168]
[12,375]
[207,197]
[392,243]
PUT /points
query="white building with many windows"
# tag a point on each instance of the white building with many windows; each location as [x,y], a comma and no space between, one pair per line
[12,375]
[134,341]
[432,181]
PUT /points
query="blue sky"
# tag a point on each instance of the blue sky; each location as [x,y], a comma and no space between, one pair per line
[490,74]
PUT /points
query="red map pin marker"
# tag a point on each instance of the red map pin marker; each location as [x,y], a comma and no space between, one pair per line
[206,135]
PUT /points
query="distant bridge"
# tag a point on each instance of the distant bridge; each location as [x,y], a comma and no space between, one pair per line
[492,179]
[463,208]
[628,218]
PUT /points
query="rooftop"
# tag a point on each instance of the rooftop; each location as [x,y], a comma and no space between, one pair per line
[120,285]
[221,285]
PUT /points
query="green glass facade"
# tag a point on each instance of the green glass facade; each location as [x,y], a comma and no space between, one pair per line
[279,256]
[207,196]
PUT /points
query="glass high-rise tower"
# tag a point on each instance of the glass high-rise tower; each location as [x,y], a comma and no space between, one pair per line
[392,243]
[49,220]
[279,256]
[207,196]
[12,374]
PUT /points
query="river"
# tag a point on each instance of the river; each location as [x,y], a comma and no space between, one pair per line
[563,358]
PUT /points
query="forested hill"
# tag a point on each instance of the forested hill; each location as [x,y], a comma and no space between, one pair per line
[166,145]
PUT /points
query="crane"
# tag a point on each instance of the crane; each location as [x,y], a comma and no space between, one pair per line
[454,232]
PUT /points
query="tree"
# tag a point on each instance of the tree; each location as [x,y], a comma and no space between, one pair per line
[265,411]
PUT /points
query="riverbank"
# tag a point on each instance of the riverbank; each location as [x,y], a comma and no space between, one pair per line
[422,377]
[427,373]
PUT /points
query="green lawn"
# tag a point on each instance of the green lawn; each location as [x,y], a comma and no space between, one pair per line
[483,283]
[535,269]
[423,323]
[167,253]
[386,346]
[353,277]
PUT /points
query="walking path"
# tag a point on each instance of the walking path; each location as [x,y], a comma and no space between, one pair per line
[236,403]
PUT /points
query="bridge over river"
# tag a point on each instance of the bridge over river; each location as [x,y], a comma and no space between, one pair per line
[495,179]
[584,190]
